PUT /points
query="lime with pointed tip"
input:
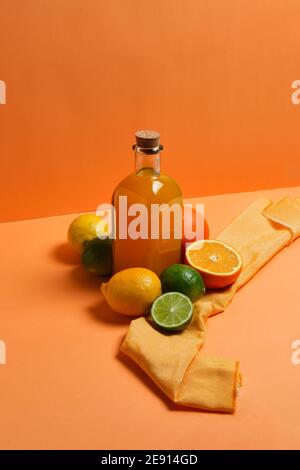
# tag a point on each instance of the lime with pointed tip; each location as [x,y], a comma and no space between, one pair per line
[97,256]
[172,311]
[184,279]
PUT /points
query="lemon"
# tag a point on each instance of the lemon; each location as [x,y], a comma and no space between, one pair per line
[132,291]
[81,230]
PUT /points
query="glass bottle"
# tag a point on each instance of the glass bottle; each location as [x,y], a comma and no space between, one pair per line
[149,187]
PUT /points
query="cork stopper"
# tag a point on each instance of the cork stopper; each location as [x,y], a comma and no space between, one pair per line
[147,139]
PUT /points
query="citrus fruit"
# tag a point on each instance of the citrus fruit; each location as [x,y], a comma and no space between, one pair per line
[83,229]
[184,279]
[132,291]
[218,263]
[189,218]
[97,256]
[172,311]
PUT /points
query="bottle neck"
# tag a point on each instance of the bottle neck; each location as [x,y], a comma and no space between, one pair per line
[147,159]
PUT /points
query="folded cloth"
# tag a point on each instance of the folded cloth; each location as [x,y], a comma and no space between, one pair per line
[173,361]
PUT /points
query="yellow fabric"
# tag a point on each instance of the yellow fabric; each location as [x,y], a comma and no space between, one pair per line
[172,361]
[285,212]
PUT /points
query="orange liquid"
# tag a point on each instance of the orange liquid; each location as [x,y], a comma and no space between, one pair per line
[146,187]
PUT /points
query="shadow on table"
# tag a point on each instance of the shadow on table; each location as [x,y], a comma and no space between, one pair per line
[79,278]
[84,280]
[102,313]
[64,254]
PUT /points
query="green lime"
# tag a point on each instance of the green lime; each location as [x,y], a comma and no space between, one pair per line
[97,256]
[184,279]
[172,311]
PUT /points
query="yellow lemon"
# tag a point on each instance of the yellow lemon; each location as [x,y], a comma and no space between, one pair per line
[82,230]
[132,291]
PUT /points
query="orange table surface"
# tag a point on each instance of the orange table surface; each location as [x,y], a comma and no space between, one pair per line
[65,385]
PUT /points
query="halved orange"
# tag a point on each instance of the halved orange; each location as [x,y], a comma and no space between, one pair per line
[218,263]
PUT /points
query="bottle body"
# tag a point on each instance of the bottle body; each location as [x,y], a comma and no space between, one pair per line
[149,187]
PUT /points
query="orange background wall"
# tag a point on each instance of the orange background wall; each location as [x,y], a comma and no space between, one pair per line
[82,75]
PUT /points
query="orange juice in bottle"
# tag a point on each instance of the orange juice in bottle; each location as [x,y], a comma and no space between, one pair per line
[152,248]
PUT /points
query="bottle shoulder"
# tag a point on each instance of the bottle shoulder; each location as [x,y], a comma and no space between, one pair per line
[166,179]
[146,178]
[148,187]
